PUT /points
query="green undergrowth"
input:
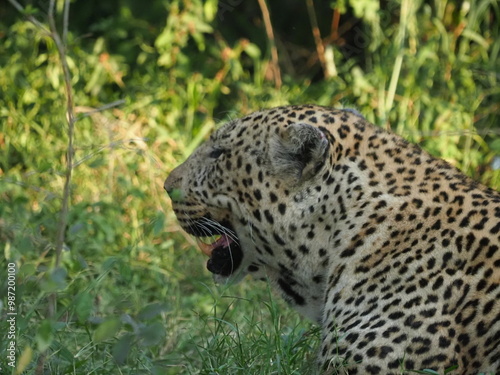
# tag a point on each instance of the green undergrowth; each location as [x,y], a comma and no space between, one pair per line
[130,293]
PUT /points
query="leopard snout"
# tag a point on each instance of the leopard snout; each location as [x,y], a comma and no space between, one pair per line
[172,185]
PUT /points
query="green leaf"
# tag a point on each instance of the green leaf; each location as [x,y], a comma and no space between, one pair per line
[45,335]
[210,9]
[53,73]
[76,227]
[29,10]
[106,330]
[109,263]
[54,280]
[24,360]
[63,351]
[97,162]
[476,37]
[252,50]
[152,334]
[83,306]
[58,275]
[450,369]
[27,270]
[152,310]
[122,348]
[495,145]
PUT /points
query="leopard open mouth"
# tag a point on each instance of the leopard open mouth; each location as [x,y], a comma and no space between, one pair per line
[220,243]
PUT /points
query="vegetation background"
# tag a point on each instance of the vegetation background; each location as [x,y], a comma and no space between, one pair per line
[99,100]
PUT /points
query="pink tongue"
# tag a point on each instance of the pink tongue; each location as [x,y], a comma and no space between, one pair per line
[223,241]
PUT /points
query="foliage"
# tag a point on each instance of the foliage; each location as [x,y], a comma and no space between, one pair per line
[131,293]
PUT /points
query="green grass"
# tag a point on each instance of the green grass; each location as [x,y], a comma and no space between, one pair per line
[131,293]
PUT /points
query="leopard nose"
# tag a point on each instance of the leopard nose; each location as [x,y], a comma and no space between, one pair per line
[169,186]
[172,186]
[172,180]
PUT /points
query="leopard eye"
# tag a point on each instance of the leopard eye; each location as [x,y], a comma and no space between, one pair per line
[215,153]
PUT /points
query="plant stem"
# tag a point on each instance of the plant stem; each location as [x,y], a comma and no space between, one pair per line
[270,35]
[398,62]
[329,70]
[70,116]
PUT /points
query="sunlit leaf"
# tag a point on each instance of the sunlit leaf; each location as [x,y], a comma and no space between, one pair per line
[152,310]
[24,360]
[106,330]
[44,335]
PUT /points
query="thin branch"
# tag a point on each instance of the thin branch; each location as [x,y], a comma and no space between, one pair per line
[103,108]
[334,33]
[65,22]
[320,47]
[111,145]
[270,35]
[52,6]
[70,115]
[61,49]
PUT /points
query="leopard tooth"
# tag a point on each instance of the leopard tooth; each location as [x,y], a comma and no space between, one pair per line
[209,240]
[206,249]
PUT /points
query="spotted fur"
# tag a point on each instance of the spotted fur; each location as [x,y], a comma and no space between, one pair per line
[393,252]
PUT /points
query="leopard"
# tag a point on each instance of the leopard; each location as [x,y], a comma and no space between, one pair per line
[394,253]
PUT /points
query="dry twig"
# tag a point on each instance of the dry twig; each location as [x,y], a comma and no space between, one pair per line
[61,49]
[70,116]
[270,35]
[63,214]
[320,47]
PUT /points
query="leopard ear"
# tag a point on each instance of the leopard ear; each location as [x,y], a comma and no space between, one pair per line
[298,151]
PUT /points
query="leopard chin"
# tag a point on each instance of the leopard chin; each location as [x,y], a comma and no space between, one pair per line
[223,248]
[225,258]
